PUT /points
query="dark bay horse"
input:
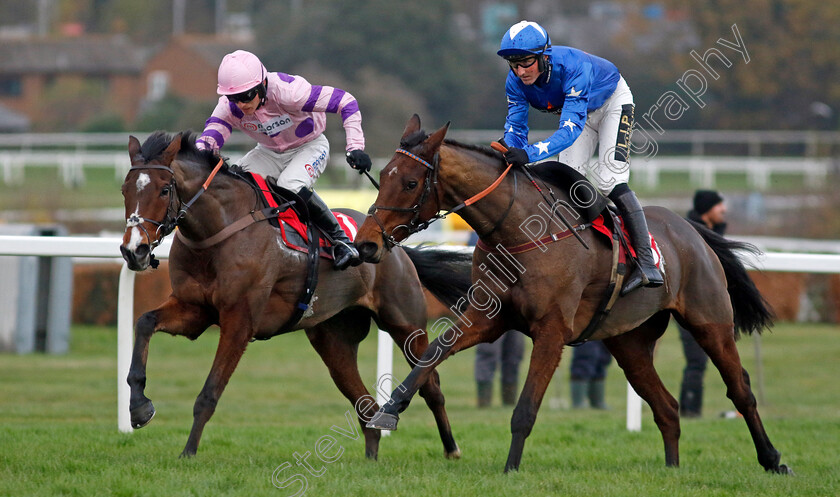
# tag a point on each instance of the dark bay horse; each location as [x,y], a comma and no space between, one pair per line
[249,283]
[551,294]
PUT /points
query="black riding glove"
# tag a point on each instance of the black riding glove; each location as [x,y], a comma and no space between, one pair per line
[517,156]
[359,160]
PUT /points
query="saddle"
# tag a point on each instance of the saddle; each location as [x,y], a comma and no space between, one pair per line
[292,216]
[587,201]
[298,233]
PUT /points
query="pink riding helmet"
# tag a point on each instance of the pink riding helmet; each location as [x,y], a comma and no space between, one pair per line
[239,72]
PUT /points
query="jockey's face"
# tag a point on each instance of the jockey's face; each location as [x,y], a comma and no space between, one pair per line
[527,70]
[248,101]
[250,107]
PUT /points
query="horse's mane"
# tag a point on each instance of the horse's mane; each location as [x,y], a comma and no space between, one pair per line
[482,149]
[157,142]
[419,136]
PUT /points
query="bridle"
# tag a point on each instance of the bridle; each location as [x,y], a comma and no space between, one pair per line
[166,225]
[174,212]
[429,188]
[430,184]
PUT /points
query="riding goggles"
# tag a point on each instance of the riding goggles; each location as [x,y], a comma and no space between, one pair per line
[245,96]
[524,62]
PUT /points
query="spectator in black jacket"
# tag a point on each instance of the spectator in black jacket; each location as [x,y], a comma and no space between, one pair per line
[709,210]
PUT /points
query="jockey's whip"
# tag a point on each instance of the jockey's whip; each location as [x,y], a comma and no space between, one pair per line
[501,148]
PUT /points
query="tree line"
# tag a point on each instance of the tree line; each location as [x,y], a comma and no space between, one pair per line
[406,57]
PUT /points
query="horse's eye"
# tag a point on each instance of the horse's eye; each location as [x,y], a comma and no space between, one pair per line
[411,185]
[165,191]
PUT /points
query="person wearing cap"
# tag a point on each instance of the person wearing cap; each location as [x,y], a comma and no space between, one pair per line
[595,109]
[286,116]
[709,210]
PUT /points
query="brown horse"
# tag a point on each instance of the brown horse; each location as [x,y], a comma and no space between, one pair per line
[249,284]
[551,293]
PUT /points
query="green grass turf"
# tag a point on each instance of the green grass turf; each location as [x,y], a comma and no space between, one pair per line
[58,429]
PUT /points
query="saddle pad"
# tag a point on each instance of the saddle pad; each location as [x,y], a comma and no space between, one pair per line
[292,229]
[599,226]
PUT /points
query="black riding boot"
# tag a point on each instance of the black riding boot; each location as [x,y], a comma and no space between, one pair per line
[344,252]
[645,272]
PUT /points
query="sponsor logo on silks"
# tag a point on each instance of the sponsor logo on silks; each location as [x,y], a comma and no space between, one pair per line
[311,171]
[625,127]
[271,127]
[318,163]
[551,109]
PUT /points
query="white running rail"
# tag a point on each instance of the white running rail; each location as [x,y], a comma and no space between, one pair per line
[109,248]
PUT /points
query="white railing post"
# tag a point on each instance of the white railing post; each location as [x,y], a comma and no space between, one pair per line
[125,342]
[634,410]
[384,369]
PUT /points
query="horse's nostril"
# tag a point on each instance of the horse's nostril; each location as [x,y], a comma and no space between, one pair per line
[367,250]
[142,251]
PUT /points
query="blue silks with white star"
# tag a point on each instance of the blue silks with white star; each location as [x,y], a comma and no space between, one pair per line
[576,83]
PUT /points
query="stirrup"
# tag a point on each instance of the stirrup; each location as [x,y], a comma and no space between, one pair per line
[634,281]
[638,279]
[351,257]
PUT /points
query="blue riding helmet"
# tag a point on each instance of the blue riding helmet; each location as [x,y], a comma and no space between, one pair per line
[523,39]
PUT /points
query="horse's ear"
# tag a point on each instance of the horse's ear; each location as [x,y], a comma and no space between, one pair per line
[412,126]
[134,150]
[172,150]
[435,139]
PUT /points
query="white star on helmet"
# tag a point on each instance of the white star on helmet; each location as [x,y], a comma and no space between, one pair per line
[516,28]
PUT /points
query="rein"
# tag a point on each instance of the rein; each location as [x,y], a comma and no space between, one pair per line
[501,148]
[430,187]
[201,191]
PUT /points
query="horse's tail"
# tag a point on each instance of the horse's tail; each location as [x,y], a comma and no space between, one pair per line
[752,312]
[445,273]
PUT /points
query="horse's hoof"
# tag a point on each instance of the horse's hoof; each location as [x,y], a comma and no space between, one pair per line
[140,416]
[455,454]
[185,454]
[782,469]
[383,421]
